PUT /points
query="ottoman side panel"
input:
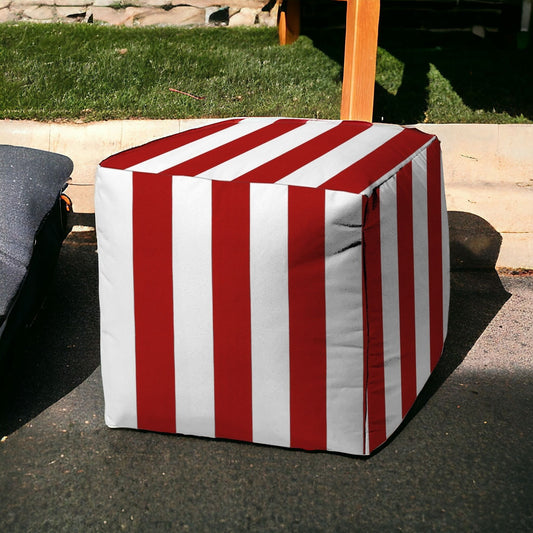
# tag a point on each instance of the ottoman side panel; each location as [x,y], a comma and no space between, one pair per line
[113,206]
[407,288]
[431,259]
[300,323]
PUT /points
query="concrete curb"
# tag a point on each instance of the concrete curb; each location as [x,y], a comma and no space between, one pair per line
[488,171]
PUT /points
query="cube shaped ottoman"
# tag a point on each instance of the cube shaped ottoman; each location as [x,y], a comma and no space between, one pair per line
[273,280]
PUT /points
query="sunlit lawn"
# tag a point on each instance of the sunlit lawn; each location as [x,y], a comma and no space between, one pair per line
[92,72]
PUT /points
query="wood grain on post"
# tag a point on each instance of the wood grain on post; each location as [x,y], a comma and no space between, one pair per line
[360,53]
[362,20]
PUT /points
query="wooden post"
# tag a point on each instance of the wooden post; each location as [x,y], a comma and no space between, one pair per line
[362,19]
[289,21]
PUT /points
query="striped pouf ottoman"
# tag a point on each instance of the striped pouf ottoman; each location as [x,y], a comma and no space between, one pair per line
[273,280]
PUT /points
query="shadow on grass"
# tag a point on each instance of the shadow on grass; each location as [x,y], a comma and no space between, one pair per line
[489,75]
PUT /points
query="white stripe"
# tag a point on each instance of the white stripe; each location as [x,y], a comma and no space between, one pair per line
[390,305]
[421,269]
[269,314]
[445,257]
[250,160]
[330,164]
[113,207]
[174,157]
[344,323]
[193,311]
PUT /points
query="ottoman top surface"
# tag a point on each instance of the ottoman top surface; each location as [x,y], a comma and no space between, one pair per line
[349,156]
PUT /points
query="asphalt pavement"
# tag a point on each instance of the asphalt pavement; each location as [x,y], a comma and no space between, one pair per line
[461,461]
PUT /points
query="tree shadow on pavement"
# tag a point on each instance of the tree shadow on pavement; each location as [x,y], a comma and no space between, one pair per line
[61,348]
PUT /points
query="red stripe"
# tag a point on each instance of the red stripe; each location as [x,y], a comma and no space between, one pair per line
[364,291]
[134,156]
[373,324]
[406,278]
[307,318]
[436,313]
[303,154]
[154,329]
[231,310]
[227,151]
[357,177]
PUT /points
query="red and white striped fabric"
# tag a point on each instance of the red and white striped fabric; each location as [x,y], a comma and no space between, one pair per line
[281,281]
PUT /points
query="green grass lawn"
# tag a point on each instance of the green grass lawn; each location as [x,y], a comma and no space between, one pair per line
[96,72]
[92,72]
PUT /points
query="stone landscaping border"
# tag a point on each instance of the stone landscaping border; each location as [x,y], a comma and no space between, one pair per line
[143,12]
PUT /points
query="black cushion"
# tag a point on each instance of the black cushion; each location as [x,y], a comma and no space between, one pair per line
[30,183]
